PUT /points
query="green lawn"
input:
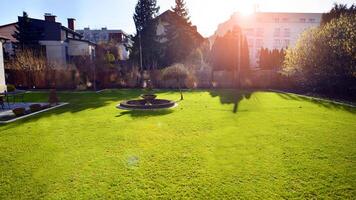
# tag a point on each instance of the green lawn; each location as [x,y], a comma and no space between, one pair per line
[215,145]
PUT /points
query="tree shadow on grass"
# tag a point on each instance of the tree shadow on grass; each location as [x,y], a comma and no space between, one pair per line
[78,101]
[145,113]
[231,96]
[320,102]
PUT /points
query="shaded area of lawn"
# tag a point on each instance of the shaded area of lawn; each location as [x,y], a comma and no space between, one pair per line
[216,144]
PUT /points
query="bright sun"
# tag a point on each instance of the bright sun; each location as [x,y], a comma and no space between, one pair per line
[246,10]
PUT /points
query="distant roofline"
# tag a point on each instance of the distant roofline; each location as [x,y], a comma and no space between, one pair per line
[283,13]
[4,38]
[97,29]
[81,40]
[14,23]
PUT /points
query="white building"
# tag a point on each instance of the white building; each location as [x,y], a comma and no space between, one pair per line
[2,68]
[269,30]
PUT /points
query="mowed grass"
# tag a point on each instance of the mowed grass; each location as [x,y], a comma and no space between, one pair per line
[221,144]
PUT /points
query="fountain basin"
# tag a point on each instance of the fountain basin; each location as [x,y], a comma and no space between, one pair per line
[152,104]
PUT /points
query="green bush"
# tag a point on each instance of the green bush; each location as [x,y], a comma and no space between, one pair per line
[324,58]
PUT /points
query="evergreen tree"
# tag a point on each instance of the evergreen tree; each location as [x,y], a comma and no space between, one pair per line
[145,11]
[27,36]
[337,11]
[245,56]
[182,39]
[181,10]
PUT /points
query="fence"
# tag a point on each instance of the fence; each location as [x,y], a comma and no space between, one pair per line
[114,78]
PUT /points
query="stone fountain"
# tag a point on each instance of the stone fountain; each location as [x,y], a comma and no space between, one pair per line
[149,101]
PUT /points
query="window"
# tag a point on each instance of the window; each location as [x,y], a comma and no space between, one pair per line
[277,32]
[259,43]
[250,43]
[302,20]
[249,31]
[276,44]
[276,20]
[286,43]
[285,20]
[259,32]
[286,32]
[311,20]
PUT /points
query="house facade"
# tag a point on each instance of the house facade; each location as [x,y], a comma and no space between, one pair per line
[104,35]
[2,68]
[269,30]
[59,43]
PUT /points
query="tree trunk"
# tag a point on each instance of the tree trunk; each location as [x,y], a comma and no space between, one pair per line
[180,90]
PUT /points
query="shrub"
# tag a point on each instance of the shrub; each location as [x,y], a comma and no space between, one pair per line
[324,58]
[19,111]
[10,88]
[179,73]
[35,107]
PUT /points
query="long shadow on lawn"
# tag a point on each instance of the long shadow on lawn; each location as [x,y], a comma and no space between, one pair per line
[326,104]
[231,96]
[77,102]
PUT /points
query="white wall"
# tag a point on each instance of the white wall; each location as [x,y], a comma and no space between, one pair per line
[79,48]
[2,71]
[55,52]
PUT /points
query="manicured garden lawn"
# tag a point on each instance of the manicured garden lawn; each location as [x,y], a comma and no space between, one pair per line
[216,144]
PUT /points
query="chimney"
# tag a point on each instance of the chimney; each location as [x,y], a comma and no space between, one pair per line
[71,23]
[49,17]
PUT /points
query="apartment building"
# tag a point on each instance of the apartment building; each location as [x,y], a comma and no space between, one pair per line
[105,35]
[269,30]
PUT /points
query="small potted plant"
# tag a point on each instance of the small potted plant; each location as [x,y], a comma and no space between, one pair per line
[19,111]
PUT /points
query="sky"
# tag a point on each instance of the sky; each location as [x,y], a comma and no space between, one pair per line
[117,14]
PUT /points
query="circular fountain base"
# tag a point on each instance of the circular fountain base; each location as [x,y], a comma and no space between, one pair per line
[154,104]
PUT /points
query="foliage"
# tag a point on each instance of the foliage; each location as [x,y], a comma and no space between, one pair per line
[337,11]
[145,11]
[277,146]
[145,39]
[271,59]
[181,10]
[181,40]
[324,58]
[29,60]
[27,35]
[224,52]
[176,72]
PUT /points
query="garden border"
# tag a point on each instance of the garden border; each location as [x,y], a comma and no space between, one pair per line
[316,98]
[35,113]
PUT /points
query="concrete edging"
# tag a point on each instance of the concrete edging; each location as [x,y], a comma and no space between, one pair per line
[315,98]
[35,113]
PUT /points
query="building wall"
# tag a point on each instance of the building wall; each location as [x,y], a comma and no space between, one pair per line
[105,35]
[79,48]
[270,30]
[56,52]
[8,31]
[2,71]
